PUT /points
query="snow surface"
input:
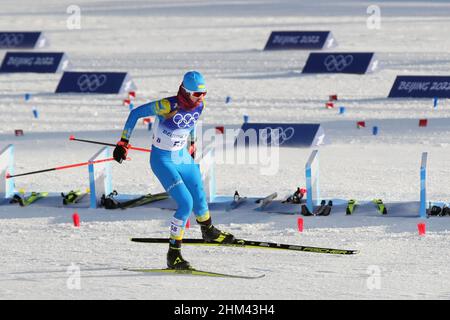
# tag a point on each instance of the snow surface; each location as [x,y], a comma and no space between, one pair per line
[156,42]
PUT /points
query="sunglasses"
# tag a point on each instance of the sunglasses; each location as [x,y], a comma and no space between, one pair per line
[198,94]
[195,93]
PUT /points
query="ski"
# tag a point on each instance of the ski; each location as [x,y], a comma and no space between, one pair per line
[73,196]
[438,211]
[146,199]
[326,210]
[26,201]
[297,197]
[320,208]
[380,206]
[434,211]
[263,202]
[237,201]
[240,243]
[109,202]
[194,272]
[351,206]
[305,211]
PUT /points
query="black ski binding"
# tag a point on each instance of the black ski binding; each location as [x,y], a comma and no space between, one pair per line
[296,197]
[109,202]
[305,211]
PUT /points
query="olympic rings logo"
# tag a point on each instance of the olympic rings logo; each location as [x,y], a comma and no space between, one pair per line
[276,136]
[11,40]
[338,62]
[185,121]
[91,82]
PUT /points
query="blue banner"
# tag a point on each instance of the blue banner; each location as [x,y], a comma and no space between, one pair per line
[280,134]
[39,62]
[341,62]
[95,82]
[22,40]
[421,87]
[300,40]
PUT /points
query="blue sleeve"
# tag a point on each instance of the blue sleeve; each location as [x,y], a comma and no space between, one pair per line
[145,110]
[193,134]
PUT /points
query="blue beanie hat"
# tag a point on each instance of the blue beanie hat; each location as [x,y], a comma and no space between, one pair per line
[194,81]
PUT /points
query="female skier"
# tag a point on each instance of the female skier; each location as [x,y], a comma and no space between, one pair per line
[173,165]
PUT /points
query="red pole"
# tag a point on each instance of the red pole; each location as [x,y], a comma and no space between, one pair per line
[108,144]
[61,167]
[76,219]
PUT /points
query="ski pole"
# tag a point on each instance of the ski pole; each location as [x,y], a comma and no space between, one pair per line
[108,144]
[61,167]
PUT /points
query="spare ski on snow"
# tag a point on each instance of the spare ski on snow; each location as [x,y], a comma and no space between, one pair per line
[438,211]
[325,210]
[74,196]
[434,211]
[380,206]
[305,211]
[445,211]
[320,208]
[26,201]
[263,202]
[351,206]
[195,272]
[297,197]
[146,199]
[110,202]
[237,201]
[251,244]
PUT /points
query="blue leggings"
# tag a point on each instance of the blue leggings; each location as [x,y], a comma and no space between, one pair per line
[181,178]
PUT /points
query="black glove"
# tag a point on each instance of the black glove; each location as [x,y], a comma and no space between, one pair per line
[121,150]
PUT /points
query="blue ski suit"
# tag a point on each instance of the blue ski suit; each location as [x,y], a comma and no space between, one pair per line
[170,160]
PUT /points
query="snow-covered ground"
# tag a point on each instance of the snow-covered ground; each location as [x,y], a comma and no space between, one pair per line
[157,42]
